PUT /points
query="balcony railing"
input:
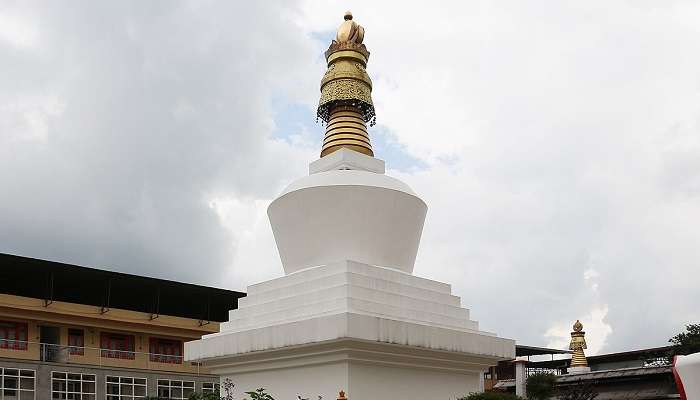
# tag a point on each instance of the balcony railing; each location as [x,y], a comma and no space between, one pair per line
[11,344]
[82,354]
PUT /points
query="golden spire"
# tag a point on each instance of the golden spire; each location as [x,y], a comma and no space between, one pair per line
[578,343]
[346,101]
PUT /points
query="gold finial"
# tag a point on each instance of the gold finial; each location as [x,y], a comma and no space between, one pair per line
[346,92]
[578,343]
[349,30]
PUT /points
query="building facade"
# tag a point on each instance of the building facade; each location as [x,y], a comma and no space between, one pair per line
[69,332]
[644,374]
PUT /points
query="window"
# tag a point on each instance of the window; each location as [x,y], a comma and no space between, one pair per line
[165,350]
[122,387]
[117,345]
[13,335]
[211,387]
[76,341]
[17,384]
[175,390]
[70,386]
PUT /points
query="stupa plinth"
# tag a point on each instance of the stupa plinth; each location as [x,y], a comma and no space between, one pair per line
[348,313]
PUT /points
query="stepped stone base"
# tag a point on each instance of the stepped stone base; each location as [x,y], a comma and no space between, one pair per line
[373,332]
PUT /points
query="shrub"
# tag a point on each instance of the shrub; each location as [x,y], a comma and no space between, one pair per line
[491,396]
[205,396]
[541,386]
[259,395]
[579,391]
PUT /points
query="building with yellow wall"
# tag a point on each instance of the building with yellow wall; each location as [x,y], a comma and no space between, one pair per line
[70,332]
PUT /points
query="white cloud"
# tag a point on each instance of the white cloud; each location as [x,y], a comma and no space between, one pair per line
[559,139]
[597,331]
[17,30]
[559,143]
[28,117]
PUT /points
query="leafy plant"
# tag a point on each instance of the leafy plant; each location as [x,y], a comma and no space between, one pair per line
[491,396]
[578,391]
[687,342]
[541,386]
[204,396]
[259,394]
[228,389]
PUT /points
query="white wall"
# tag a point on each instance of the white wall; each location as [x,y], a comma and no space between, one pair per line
[285,384]
[371,382]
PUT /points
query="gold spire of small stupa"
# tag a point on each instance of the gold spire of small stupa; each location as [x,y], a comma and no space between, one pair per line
[578,343]
[346,92]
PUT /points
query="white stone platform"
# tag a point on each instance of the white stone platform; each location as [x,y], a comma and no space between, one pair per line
[351,318]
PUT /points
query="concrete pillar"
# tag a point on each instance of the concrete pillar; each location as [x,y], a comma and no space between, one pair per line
[520,378]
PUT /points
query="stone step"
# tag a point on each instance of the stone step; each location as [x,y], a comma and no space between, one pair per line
[338,278]
[302,298]
[343,303]
[354,267]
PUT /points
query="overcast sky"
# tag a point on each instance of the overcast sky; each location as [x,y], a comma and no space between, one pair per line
[557,145]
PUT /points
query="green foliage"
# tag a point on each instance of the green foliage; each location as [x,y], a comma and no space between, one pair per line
[541,386]
[578,391]
[193,396]
[491,396]
[204,396]
[687,342]
[259,394]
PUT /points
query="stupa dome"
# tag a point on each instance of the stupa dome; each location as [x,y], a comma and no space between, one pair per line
[344,214]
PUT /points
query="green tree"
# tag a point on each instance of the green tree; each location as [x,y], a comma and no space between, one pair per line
[491,396]
[687,342]
[578,391]
[541,386]
[204,396]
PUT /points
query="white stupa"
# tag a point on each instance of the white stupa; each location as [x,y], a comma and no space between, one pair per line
[348,314]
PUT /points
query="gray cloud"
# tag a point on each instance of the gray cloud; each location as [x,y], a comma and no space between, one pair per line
[119,122]
[558,146]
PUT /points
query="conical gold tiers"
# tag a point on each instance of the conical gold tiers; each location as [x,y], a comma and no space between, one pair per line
[578,343]
[346,128]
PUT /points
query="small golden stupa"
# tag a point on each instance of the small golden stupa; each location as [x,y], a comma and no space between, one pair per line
[346,92]
[578,343]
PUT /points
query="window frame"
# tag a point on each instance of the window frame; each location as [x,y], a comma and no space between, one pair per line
[215,387]
[76,349]
[20,332]
[120,396]
[19,376]
[108,352]
[170,387]
[155,355]
[80,394]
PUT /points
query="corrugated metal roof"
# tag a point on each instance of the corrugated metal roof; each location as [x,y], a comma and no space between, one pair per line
[615,373]
[50,280]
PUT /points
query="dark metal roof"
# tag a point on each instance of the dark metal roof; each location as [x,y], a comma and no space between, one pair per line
[521,350]
[55,281]
[631,355]
[643,354]
[615,373]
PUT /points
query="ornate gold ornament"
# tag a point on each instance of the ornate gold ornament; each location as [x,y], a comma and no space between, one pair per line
[346,104]
[578,343]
